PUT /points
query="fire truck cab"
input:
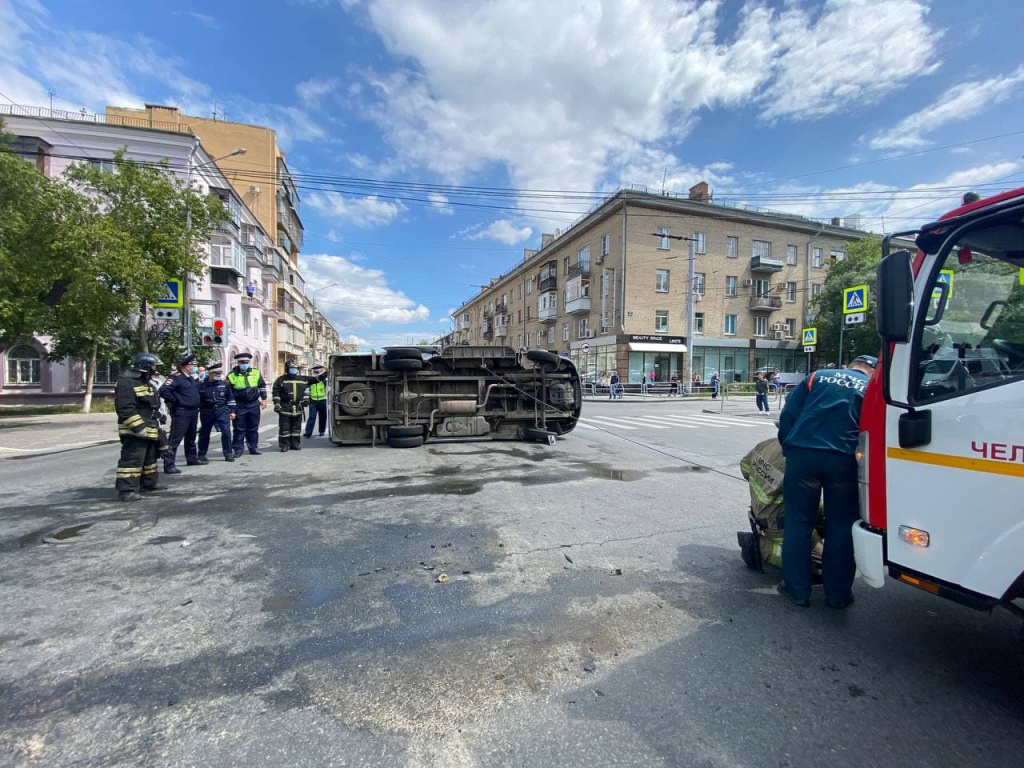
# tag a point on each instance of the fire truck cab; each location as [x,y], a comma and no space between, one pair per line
[941,453]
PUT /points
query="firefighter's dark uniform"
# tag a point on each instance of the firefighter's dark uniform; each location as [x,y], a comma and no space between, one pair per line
[138,410]
[182,395]
[317,407]
[818,431]
[249,390]
[289,395]
[216,404]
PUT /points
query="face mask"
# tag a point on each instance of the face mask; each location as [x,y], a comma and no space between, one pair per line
[293,371]
[243,366]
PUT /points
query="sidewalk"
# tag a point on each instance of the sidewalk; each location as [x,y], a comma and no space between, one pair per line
[734,405]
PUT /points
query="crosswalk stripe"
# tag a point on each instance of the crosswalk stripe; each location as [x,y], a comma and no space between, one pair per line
[611,423]
[648,422]
[707,418]
[584,425]
[698,422]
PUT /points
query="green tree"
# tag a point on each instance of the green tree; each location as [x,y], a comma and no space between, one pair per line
[858,268]
[164,222]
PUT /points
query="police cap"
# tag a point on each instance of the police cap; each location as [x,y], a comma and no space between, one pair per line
[187,360]
[215,368]
[319,368]
[293,363]
[243,357]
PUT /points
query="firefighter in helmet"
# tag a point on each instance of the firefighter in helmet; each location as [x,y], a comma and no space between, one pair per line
[138,412]
[289,394]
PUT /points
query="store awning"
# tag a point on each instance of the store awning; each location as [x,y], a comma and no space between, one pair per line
[643,346]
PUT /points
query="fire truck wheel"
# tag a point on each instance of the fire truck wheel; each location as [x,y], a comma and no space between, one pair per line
[356,399]
[405,442]
[542,357]
[405,432]
[402,353]
[539,435]
[403,365]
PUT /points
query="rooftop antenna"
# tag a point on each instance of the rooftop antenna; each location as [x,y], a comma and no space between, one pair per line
[664,178]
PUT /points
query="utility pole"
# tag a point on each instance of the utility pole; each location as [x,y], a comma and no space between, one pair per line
[690,278]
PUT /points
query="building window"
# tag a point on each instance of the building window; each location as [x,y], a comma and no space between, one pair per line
[661,281]
[730,285]
[529,314]
[529,286]
[520,318]
[815,289]
[233,320]
[837,255]
[698,322]
[581,328]
[790,325]
[551,335]
[762,287]
[565,265]
[103,166]
[606,245]
[519,341]
[700,244]
[529,336]
[791,292]
[106,373]
[663,240]
[698,283]
[565,331]
[661,320]
[730,325]
[816,257]
[762,249]
[22,365]
[761,326]
[791,255]
[583,257]
[732,247]
[247,321]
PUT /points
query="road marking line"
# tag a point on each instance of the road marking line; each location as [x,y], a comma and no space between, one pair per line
[649,422]
[610,423]
[699,422]
[719,420]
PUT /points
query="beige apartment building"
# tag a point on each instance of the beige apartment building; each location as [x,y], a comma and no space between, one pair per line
[611,290]
[261,178]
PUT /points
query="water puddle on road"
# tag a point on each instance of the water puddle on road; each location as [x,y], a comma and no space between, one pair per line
[68,533]
[308,598]
[165,539]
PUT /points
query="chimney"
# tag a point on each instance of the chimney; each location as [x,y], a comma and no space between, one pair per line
[852,222]
[835,221]
[529,253]
[700,193]
[546,239]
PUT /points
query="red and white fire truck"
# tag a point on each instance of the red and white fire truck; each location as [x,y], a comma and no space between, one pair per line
[941,454]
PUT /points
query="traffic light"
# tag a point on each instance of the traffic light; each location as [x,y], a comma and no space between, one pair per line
[219,332]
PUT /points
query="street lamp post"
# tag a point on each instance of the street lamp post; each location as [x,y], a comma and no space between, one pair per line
[312,300]
[690,278]
[187,319]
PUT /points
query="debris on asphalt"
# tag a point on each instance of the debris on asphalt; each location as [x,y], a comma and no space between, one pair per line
[466,573]
[442,578]
[567,557]
[185,543]
[616,571]
[245,536]
[187,602]
[598,692]
[589,667]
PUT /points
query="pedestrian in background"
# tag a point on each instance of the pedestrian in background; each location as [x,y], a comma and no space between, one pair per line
[818,431]
[138,412]
[613,386]
[250,393]
[181,391]
[715,383]
[317,402]
[761,387]
[216,409]
[675,384]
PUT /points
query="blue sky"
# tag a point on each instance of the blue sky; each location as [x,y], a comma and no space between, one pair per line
[889,109]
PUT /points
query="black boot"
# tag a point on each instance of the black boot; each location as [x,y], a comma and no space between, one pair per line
[129,496]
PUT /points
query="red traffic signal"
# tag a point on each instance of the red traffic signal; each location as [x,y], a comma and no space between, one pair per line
[219,332]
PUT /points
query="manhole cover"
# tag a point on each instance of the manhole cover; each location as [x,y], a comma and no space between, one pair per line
[95,532]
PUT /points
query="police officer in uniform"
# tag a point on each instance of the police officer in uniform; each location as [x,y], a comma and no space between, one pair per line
[216,409]
[250,393]
[138,411]
[317,402]
[181,391]
[289,394]
[818,431]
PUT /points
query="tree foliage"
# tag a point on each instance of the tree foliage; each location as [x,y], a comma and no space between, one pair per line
[858,268]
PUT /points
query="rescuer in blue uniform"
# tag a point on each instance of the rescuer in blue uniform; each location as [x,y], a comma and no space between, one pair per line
[818,431]
[317,403]
[250,392]
[181,391]
[216,408]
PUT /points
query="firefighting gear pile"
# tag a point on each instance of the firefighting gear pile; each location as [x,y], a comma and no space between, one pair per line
[764,468]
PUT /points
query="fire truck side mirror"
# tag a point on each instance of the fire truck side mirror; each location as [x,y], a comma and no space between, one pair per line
[895,297]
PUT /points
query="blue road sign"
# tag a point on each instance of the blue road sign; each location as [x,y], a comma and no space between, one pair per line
[172,297]
[855,299]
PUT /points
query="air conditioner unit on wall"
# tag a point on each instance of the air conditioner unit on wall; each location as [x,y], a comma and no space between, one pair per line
[777,335]
[589,334]
[776,326]
[748,282]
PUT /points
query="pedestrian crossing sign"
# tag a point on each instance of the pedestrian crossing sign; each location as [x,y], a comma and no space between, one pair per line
[810,337]
[855,299]
[945,276]
[171,295]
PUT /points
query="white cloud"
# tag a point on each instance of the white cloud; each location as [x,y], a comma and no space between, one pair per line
[313,90]
[361,298]
[364,212]
[204,19]
[440,203]
[962,102]
[574,96]
[501,230]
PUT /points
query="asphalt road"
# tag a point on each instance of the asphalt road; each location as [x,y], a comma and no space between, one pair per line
[595,613]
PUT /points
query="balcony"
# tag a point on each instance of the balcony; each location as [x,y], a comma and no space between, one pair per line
[272,266]
[549,283]
[488,331]
[579,268]
[226,280]
[228,257]
[547,314]
[501,325]
[578,305]
[765,303]
[764,264]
